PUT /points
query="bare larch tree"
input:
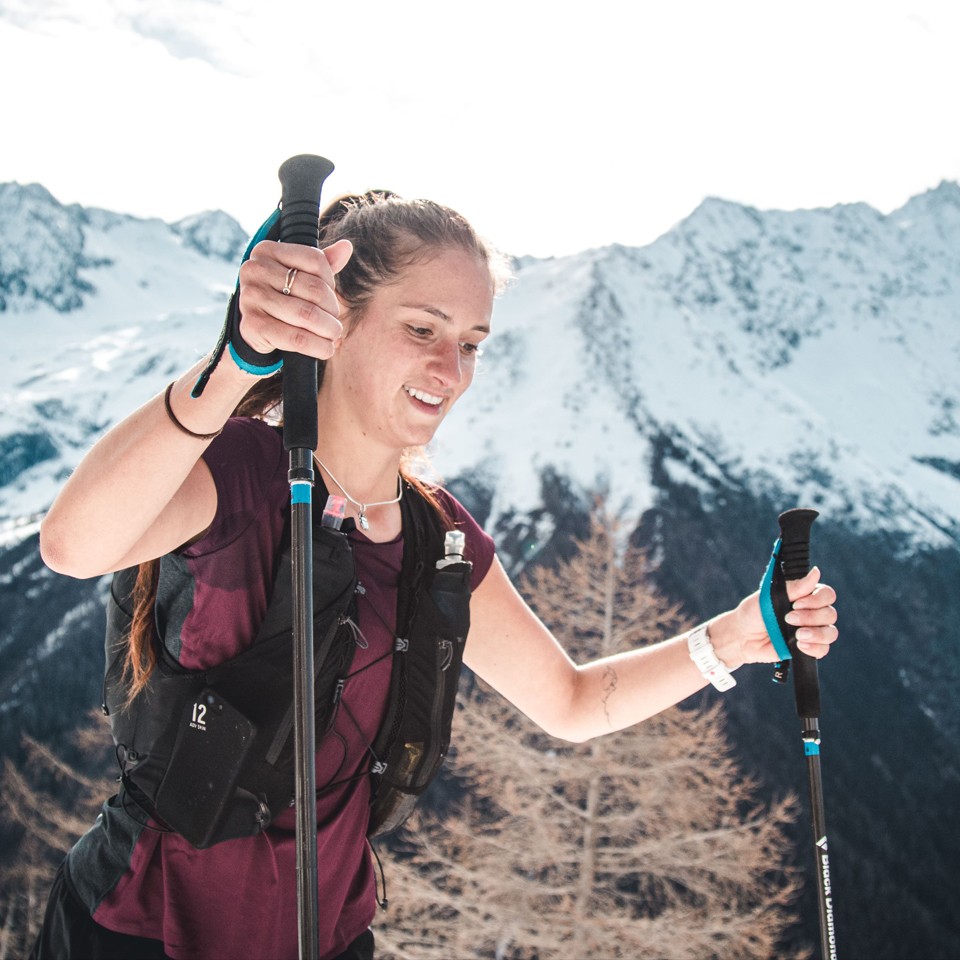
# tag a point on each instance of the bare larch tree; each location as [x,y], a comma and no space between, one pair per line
[647,843]
[46,804]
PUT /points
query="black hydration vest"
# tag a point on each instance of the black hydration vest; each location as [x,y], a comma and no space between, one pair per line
[209,753]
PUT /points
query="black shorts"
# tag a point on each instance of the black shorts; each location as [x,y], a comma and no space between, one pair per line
[70,933]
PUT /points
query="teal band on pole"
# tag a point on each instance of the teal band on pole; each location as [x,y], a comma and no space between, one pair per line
[301,492]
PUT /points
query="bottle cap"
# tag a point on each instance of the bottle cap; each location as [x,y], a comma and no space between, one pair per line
[334,511]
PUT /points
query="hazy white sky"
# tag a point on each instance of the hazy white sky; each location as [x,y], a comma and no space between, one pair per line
[553,126]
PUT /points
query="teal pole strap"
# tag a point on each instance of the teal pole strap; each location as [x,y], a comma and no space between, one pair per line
[261,234]
[251,367]
[766,607]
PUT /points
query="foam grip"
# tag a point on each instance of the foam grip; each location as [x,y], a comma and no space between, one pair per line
[301,181]
[795,527]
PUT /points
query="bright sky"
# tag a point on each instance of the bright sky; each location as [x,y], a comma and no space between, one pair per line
[553,126]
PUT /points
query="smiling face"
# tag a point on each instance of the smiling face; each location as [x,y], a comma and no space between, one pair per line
[411,352]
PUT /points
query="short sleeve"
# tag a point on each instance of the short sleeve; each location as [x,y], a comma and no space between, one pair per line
[246,462]
[222,582]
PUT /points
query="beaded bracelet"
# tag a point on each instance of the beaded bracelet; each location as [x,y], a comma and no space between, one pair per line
[178,424]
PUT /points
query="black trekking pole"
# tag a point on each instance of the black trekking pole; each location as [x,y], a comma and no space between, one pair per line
[301,178]
[791,561]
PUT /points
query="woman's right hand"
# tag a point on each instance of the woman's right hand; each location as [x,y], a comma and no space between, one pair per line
[306,320]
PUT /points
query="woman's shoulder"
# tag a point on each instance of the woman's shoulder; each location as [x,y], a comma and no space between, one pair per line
[247,450]
[249,471]
[246,435]
[452,506]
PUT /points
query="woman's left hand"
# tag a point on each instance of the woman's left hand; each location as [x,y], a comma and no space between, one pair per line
[813,613]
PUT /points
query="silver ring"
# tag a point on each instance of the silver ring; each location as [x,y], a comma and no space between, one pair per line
[288,283]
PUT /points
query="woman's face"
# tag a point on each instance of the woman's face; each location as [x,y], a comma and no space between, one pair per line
[411,354]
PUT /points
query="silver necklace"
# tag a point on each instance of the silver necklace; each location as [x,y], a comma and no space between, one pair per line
[364,507]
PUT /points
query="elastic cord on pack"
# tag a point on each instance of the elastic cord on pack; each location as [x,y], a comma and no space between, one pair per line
[381,901]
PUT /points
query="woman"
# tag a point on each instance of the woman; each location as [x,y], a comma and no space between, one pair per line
[395,305]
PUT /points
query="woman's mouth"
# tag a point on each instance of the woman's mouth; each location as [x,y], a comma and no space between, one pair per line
[431,400]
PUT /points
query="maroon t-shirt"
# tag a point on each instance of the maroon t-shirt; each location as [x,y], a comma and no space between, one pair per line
[238,898]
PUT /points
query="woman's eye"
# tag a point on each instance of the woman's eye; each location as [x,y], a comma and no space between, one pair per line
[472,349]
[421,332]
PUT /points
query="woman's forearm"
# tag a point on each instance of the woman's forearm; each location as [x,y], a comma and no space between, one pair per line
[138,492]
[627,688]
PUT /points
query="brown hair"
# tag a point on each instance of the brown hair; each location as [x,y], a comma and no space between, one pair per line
[388,235]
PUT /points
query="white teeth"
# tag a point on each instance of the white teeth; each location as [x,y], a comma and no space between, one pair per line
[425,397]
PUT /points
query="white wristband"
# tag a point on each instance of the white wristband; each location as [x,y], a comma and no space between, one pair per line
[707,662]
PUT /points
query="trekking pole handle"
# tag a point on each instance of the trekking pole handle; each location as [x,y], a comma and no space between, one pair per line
[795,526]
[795,541]
[301,180]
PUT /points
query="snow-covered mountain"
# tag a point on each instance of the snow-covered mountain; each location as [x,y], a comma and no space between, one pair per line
[811,356]
[98,310]
[746,362]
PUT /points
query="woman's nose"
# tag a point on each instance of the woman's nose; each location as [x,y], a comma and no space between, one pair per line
[447,362]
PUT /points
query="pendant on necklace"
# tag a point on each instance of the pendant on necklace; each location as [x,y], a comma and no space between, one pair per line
[364,522]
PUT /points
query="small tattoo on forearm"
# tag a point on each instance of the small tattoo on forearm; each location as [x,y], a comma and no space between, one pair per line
[609,685]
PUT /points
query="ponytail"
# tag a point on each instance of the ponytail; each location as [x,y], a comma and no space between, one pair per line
[141,656]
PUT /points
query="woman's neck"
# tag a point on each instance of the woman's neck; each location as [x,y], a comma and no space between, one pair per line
[358,466]
[358,478]
[363,464]
[370,484]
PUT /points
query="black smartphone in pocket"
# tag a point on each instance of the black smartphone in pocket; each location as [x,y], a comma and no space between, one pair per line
[213,740]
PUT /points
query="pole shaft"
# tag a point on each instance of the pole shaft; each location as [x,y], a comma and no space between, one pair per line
[304,733]
[811,739]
